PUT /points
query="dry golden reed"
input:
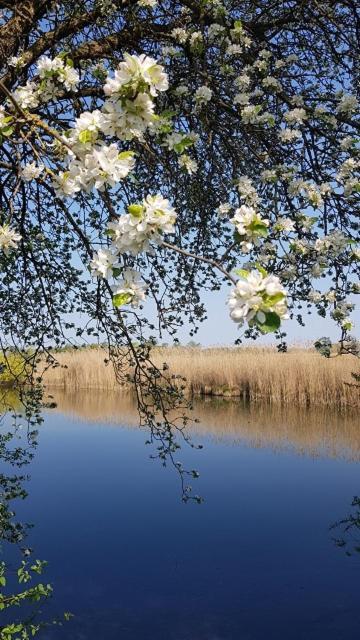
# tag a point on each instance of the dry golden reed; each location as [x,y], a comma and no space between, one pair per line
[313,431]
[300,377]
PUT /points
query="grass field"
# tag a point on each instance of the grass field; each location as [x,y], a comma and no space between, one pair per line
[300,377]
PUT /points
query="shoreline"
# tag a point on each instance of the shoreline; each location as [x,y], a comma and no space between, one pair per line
[300,378]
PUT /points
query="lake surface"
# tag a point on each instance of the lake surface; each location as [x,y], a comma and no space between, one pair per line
[256,560]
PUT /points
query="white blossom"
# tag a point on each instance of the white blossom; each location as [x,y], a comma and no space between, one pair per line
[314,296]
[295,116]
[196,39]
[242,81]
[145,222]
[347,104]
[66,184]
[285,224]
[268,175]
[102,263]
[56,69]
[250,226]
[180,35]
[9,239]
[15,61]
[127,119]
[289,135]
[203,94]
[179,141]
[247,191]
[181,90]
[255,296]
[49,66]
[347,324]
[129,290]
[147,3]
[223,209]
[188,163]
[269,82]
[31,171]
[347,143]
[347,168]
[335,242]
[250,113]
[325,188]
[137,73]
[27,96]
[103,166]
[215,30]
[242,98]
[85,132]
[234,49]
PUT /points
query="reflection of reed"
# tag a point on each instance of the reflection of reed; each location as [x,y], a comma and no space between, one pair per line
[330,434]
[300,377]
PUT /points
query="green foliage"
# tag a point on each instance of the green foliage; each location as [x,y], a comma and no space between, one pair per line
[32,594]
[323,346]
[120,299]
[13,368]
[136,210]
[271,324]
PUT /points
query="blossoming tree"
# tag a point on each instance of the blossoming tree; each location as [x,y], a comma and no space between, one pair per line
[158,150]
[152,151]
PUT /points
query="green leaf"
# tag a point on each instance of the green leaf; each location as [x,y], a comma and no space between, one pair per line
[271,324]
[86,136]
[238,237]
[183,144]
[168,113]
[136,210]
[261,270]
[241,272]
[259,228]
[125,155]
[7,131]
[116,272]
[119,299]
[271,300]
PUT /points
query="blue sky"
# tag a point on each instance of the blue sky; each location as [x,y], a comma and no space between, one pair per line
[219,329]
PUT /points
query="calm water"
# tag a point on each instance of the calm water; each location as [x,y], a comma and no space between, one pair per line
[255,561]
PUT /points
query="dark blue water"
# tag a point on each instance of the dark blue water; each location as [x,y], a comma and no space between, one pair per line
[255,561]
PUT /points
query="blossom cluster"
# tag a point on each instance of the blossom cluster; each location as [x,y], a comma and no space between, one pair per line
[9,239]
[54,76]
[260,299]
[133,233]
[144,223]
[250,227]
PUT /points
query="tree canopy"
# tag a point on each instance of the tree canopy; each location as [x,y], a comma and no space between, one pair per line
[158,150]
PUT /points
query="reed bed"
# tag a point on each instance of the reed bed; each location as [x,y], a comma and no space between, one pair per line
[299,378]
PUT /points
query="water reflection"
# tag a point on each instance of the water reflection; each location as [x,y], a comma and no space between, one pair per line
[255,560]
[311,432]
[347,530]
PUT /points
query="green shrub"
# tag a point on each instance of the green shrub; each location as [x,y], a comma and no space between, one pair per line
[12,368]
